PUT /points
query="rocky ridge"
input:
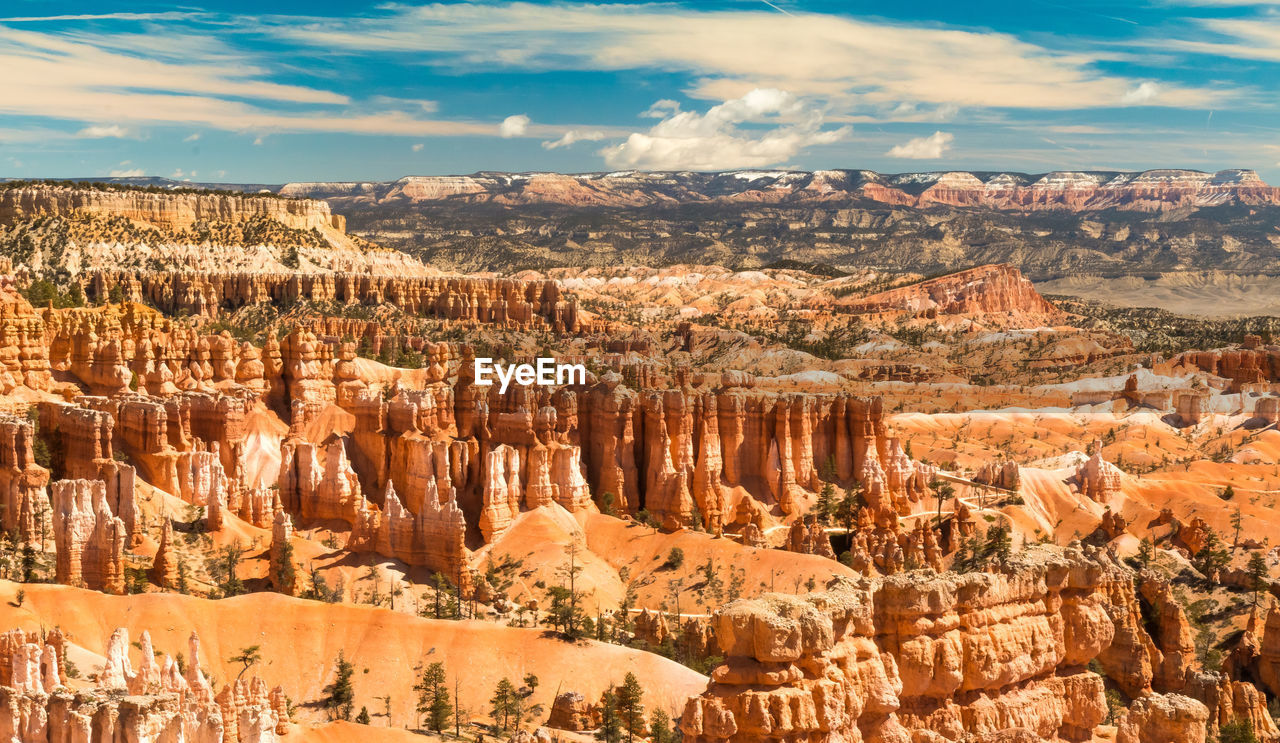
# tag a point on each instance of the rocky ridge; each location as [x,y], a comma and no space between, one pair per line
[1151,190]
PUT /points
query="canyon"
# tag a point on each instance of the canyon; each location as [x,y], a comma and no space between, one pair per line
[793,504]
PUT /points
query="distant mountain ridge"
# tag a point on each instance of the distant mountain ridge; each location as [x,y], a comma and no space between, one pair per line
[1148,190]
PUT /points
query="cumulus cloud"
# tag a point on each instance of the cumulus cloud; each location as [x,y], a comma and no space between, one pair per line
[514,126]
[192,137]
[104,131]
[417,147]
[762,128]
[573,136]
[924,148]
[1143,93]
[127,173]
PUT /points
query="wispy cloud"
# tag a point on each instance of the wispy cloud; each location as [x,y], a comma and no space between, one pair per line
[735,50]
[1238,38]
[104,131]
[161,16]
[572,137]
[71,78]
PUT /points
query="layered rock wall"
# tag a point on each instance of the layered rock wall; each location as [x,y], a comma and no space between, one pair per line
[163,209]
[919,657]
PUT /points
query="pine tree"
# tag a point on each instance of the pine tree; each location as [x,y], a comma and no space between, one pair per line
[340,696]
[1146,552]
[825,507]
[28,563]
[610,722]
[999,545]
[286,575]
[1259,576]
[1212,557]
[945,491]
[363,717]
[247,657]
[960,562]
[850,504]
[1237,731]
[660,727]
[433,697]
[630,707]
[505,704]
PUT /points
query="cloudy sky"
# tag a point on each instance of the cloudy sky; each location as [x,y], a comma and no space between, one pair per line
[254,92]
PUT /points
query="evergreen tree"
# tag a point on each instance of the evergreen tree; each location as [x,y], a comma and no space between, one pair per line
[506,705]
[433,697]
[630,706]
[285,574]
[945,491]
[28,564]
[1212,557]
[363,717]
[1237,731]
[850,504]
[825,507]
[1146,552]
[340,696]
[566,610]
[610,721]
[660,727]
[1259,576]
[247,657]
[999,545]
[961,562]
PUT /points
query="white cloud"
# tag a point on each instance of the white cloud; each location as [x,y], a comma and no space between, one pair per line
[662,109]
[1144,93]
[104,131]
[192,137]
[259,140]
[572,136]
[809,54]
[1249,38]
[716,140]
[163,16]
[127,173]
[178,79]
[417,147]
[924,148]
[514,126]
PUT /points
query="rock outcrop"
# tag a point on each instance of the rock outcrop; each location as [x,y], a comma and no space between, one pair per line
[946,655]
[89,539]
[155,702]
[992,293]
[1097,478]
[1150,190]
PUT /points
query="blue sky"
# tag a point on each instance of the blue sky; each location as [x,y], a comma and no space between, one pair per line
[240,91]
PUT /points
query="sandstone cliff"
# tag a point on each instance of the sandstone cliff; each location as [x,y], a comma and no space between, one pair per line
[1076,191]
[926,657]
[170,210]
